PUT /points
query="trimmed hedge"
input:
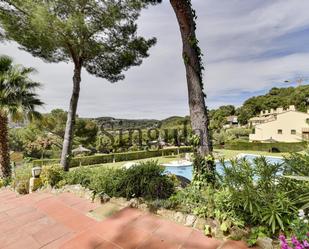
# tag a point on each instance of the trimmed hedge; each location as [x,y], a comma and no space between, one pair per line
[275,147]
[117,157]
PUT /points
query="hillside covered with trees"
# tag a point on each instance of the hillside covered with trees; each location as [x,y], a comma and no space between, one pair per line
[276,97]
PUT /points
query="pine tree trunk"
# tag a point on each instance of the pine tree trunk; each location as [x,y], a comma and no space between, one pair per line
[69,129]
[4,147]
[198,110]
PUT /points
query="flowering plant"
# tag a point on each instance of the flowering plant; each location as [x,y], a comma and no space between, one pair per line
[300,226]
[296,244]
[300,236]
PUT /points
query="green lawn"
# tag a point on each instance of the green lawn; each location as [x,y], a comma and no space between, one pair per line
[228,154]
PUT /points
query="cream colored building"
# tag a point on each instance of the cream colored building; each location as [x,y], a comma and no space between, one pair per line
[287,126]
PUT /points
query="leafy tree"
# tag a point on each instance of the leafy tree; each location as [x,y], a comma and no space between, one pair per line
[218,116]
[86,132]
[54,123]
[192,57]
[17,100]
[99,36]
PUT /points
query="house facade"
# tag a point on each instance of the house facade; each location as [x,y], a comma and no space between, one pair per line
[286,126]
[231,121]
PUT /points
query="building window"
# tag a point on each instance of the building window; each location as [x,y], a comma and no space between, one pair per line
[293,132]
[279,131]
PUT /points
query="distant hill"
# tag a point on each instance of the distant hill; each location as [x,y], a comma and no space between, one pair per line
[173,122]
[115,123]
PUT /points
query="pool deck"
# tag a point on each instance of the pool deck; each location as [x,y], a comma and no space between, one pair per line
[44,220]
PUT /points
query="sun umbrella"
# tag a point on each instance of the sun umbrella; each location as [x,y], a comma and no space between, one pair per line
[80,149]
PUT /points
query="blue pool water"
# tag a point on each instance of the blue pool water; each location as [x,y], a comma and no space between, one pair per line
[187,170]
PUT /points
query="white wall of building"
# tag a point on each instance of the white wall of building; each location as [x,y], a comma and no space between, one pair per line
[287,122]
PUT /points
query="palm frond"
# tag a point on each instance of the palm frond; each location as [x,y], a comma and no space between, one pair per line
[17,91]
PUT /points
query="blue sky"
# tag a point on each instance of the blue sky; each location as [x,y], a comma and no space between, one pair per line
[248,46]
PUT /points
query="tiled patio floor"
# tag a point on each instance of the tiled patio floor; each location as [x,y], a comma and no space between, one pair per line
[41,220]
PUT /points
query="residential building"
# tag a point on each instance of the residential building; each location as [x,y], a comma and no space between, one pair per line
[269,115]
[281,126]
[231,121]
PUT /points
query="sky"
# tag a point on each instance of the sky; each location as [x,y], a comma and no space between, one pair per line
[248,46]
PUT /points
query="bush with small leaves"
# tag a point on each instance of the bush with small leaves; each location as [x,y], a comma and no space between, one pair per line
[20,181]
[51,175]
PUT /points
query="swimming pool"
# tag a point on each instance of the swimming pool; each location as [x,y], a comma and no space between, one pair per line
[185,169]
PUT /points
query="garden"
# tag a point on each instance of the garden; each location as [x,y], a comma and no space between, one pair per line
[255,201]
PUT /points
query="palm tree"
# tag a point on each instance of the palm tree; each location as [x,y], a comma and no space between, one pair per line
[17,101]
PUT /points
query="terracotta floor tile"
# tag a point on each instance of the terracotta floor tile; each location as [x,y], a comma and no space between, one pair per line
[116,223]
[77,222]
[8,225]
[155,242]
[36,197]
[84,240]
[25,242]
[28,217]
[108,245]
[56,244]
[130,237]
[48,221]
[173,232]
[38,225]
[69,199]
[197,240]
[107,229]
[3,217]
[4,207]
[234,245]
[11,237]
[147,222]
[20,211]
[50,205]
[50,233]
[127,215]
[85,206]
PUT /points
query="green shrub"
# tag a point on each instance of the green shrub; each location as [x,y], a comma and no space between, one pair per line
[144,180]
[42,162]
[189,199]
[147,180]
[297,164]
[108,180]
[278,147]
[117,157]
[252,194]
[20,181]
[5,181]
[51,175]
[79,176]
[259,194]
